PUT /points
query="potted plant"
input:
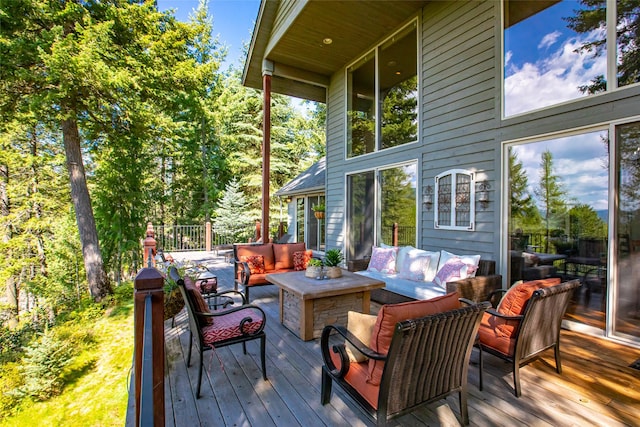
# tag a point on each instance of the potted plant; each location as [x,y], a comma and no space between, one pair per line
[314,268]
[318,210]
[173,302]
[332,260]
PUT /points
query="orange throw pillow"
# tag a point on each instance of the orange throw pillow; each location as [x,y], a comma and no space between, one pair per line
[255,263]
[390,314]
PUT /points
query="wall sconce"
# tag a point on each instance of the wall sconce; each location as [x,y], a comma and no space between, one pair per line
[427,197]
[482,193]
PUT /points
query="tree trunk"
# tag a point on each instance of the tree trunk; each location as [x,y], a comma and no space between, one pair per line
[11,290]
[97,280]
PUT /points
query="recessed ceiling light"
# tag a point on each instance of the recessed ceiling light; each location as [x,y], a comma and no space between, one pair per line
[327,40]
[391,64]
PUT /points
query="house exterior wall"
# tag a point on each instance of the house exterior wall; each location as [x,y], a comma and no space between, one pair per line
[458,118]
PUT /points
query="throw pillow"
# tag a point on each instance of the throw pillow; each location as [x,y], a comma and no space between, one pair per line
[390,314]
[301,259]
[454,269]
[403,251]
[361,325]
[467,259]
[430,274]
[414,266]
[383,260]
[530,260]
[255,263]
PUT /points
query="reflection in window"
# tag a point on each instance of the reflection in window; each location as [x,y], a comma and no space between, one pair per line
[398,205]
[394,87]
[455,200]
[559,191]
[552,53]
[627,303]
[628,13]
[382,209]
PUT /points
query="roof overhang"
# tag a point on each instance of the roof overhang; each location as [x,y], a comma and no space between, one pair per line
[291,44]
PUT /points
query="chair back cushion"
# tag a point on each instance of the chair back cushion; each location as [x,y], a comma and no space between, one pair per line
[515,300]
[199,303]
[390,314]
[266,250]
[283,254]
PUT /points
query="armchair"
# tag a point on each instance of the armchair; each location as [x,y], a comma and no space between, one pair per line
[427,359]
[525,323]
[221,326]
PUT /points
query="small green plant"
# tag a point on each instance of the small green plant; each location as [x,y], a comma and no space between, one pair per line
[333,257]
[314,262]
[318,207]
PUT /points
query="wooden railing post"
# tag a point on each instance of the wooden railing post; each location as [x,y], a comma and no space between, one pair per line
[207,236]
[149,281]
[149,248]
[394,234]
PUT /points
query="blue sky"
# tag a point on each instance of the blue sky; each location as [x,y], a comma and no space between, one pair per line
[233,22]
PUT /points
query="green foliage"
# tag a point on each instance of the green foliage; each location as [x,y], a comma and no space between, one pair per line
[333,257]
[43,364]
[11,379]
[314,262]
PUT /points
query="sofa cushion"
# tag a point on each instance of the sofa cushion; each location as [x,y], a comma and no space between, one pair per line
[499,333]
[283,254]
[357,377]
[383,260]
[266,250]
[361,325]
[406,287]
[255,263]
[301,259]
[391,314]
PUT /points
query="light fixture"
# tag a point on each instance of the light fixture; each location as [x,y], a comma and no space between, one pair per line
[327,40]
[482,193]
[427,197]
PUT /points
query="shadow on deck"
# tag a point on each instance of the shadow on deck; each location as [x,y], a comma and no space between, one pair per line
[597,386]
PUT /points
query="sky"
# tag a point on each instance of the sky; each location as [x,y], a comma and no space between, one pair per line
[233,22]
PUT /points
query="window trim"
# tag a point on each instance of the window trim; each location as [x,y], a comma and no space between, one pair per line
[452,206]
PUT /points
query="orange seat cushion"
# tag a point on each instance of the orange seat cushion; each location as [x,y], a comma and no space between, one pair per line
[357,378]
[283,253]
[266,250]
[390,314]
[499,333]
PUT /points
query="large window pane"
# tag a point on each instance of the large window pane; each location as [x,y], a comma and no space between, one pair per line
[558,217]
[397,71]
[627,302]
[398,205]
[554,52]
[361,108]
[628,55]
[361,214]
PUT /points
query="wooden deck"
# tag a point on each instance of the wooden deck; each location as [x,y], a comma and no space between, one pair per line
[597,386]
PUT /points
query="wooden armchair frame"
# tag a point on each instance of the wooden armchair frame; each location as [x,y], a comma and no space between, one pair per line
[428,359]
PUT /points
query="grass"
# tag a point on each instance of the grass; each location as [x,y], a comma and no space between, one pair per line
[96,391]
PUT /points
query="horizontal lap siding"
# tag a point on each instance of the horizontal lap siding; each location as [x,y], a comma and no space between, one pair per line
[460,114]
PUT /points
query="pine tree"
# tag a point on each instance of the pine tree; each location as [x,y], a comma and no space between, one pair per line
[551,195]
[232,219]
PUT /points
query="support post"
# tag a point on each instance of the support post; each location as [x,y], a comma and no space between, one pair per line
[207,236]
[267,71]
[149,247]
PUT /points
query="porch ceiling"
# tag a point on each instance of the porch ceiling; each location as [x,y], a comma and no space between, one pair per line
[302,63]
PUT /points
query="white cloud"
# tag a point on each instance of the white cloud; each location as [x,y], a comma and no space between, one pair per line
[554,77]
[549,40]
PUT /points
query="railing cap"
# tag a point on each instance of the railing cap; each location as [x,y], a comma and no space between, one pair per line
[148,278]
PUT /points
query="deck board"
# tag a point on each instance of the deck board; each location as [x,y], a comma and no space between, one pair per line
[597,386]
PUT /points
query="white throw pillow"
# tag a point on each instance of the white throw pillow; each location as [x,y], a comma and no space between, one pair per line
[415,266]
[360,325]
[403,251]
[430,274]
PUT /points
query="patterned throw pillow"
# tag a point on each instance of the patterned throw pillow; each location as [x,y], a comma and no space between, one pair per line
[383,260]
[454,269]
[301,259]
[255,263]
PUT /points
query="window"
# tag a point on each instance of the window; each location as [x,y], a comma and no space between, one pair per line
[383,84]
[309,228]
[455,200]
[381,209]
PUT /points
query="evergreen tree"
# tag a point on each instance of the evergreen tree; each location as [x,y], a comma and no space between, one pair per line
[232,220]
[551,195]
[524,214]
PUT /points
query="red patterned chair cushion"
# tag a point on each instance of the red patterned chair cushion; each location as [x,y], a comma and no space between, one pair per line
[228,326]
[301,259]
[255,263]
